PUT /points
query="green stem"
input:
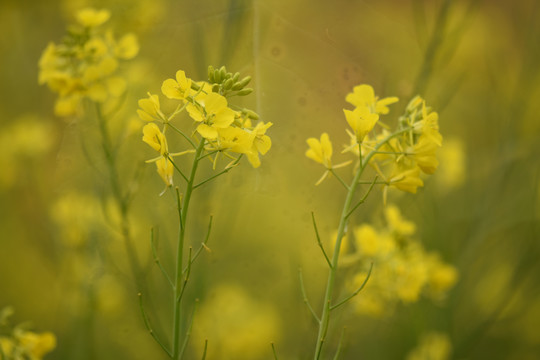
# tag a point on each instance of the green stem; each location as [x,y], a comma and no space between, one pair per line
[121,200]
[345,213]
[178,281]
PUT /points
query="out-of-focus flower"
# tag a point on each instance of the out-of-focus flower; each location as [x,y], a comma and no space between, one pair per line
[432,346]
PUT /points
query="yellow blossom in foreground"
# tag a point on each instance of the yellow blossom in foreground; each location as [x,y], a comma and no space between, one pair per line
[361,120]
[261,143]
[165,170]
[155,138]
[213,113]
[406,180]
[149,108]
[364,96]
[320,150]
[177,89]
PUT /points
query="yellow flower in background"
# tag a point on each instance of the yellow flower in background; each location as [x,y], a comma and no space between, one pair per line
[36,345]
[155,138]
[441,277]
[361,120]
[150,109]
[397,223]
[237,325]
[364,96]
[86,63]
[432,346]
[89,17]
[177,89]
[452,171]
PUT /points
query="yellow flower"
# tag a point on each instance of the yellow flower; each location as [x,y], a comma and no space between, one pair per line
[406,180]
[361,120]
[433,346]
[261,143]
[155,138]
[424,153]
[371,243]
[177,89]
[36,345]
[213,113]
[150,108]
[429,125]
[397,223]
[165,170]
[320,151]
[127,47]
[89,17]
[364,96]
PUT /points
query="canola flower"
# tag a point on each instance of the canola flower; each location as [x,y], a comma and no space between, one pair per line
[21,343]
[218,128]
[397,158]
[85,64]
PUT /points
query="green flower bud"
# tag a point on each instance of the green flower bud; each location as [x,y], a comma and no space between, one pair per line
[240,85]
[251,114]
[222,73]
[244,92]
[215,88]
[228,84]
[211,74]
[235,77]
[217,77]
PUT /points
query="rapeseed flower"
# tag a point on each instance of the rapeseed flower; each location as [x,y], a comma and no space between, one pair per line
[212,113]
[150,109]
[361,120]
[177,89]
[364,96]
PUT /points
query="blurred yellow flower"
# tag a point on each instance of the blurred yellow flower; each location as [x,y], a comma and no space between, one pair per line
[320,150]
[432,346]
[90,17]
[406,179]
[165,170]
[36,345]
[364,96]
[397,223]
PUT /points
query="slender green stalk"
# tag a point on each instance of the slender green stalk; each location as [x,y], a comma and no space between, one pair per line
[178,280]
[345,214]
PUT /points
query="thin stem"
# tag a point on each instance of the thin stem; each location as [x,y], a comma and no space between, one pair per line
[149,328]
[176,167]
[203,244]
[340,344]
[305,298]
[274,351]
[182,133]
[205,348]
[365,196]
[178,288]
[226,170]
[356,292]
[319,239]
[345,213]
[188,333]
[157,261]
[339,179]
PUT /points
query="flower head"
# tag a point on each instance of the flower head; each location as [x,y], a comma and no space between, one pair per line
[364,96]
[150,108]
[361,120]
[177,89]
[155,138]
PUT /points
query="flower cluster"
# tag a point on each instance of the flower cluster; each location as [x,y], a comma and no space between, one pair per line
[398,157]
[219,127]
[22,343]
[403,269]
[85,63]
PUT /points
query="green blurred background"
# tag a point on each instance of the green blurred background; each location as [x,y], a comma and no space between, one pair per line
[62,262]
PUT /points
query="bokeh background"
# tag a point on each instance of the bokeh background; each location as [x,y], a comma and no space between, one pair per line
[62,262]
